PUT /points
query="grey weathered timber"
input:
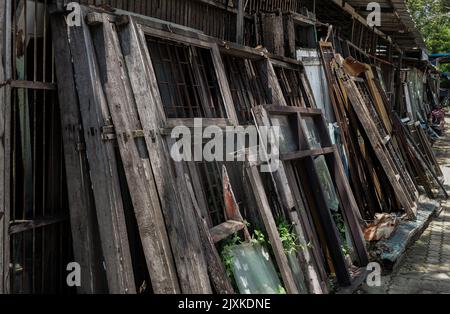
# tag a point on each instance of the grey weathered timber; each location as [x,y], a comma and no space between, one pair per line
[271,229]
[273,33]
[135,158]
[5,147]
[225,230]
[380,150]
[223,84]
[240,22]
[292,201]
[179,214]
[102,163]
[83,220]
[3,225]
[216,269]
[270,81]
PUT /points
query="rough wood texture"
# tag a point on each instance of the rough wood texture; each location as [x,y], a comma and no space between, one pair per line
[271,229]
[102,163]
[135,158]
[216,270]
[292,201]
[5,147]
[83,220]
[225,230]
[3,225]
[273,35]
[178,214]
[376,141]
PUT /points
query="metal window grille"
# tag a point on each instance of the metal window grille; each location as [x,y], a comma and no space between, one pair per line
[246,87]
[292,85]
[186,79]
[211,177]
[39,234]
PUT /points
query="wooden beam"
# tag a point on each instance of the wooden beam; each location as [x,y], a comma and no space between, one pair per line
[83,221]
[169,176]
[26,225]
[5,94]
[289,109]
[240,22]
[271,229]
[135,160]
[102,162]
[294,205]
[308,153]
[216,269]
[225,230]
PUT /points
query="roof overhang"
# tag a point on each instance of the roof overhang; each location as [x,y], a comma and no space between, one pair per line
[396,21]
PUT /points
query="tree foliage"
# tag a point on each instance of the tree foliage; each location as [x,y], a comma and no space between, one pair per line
[432,18]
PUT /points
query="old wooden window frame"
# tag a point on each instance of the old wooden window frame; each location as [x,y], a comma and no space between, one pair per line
[264,64]
[157,29]
[349,207]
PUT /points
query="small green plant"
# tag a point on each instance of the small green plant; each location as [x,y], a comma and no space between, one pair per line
[281,290]
[346,250]
[230,243]
[288,237]
[227,253]
[332,283]
[259,238]
[340,224]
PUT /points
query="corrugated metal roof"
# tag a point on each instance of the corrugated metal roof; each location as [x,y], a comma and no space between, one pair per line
[396,21]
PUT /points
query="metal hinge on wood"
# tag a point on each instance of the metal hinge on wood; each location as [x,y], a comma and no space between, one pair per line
[108,133]
[138,133]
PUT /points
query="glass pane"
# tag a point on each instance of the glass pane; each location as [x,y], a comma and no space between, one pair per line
[288,134]
[254,271]
[311,132]
[326,183]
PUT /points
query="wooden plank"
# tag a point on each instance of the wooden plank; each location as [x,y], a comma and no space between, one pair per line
[5,103]
[102,163]
[273,34]
[293,203]
[226,229]
[135,159]
[376,142]
[240,21]
[289,35]
[169,178]
[33,85]
[224,85]
[270,83]
[308,153]
[350,208]
[22,226]
[83,221]
[216,269]
[271,229]
[288,109]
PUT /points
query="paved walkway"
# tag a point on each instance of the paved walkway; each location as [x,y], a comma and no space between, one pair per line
[426,267]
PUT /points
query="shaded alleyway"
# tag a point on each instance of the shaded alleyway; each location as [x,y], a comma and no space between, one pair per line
[426,266]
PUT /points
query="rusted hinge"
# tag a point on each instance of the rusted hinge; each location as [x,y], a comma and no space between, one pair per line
[108,133]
